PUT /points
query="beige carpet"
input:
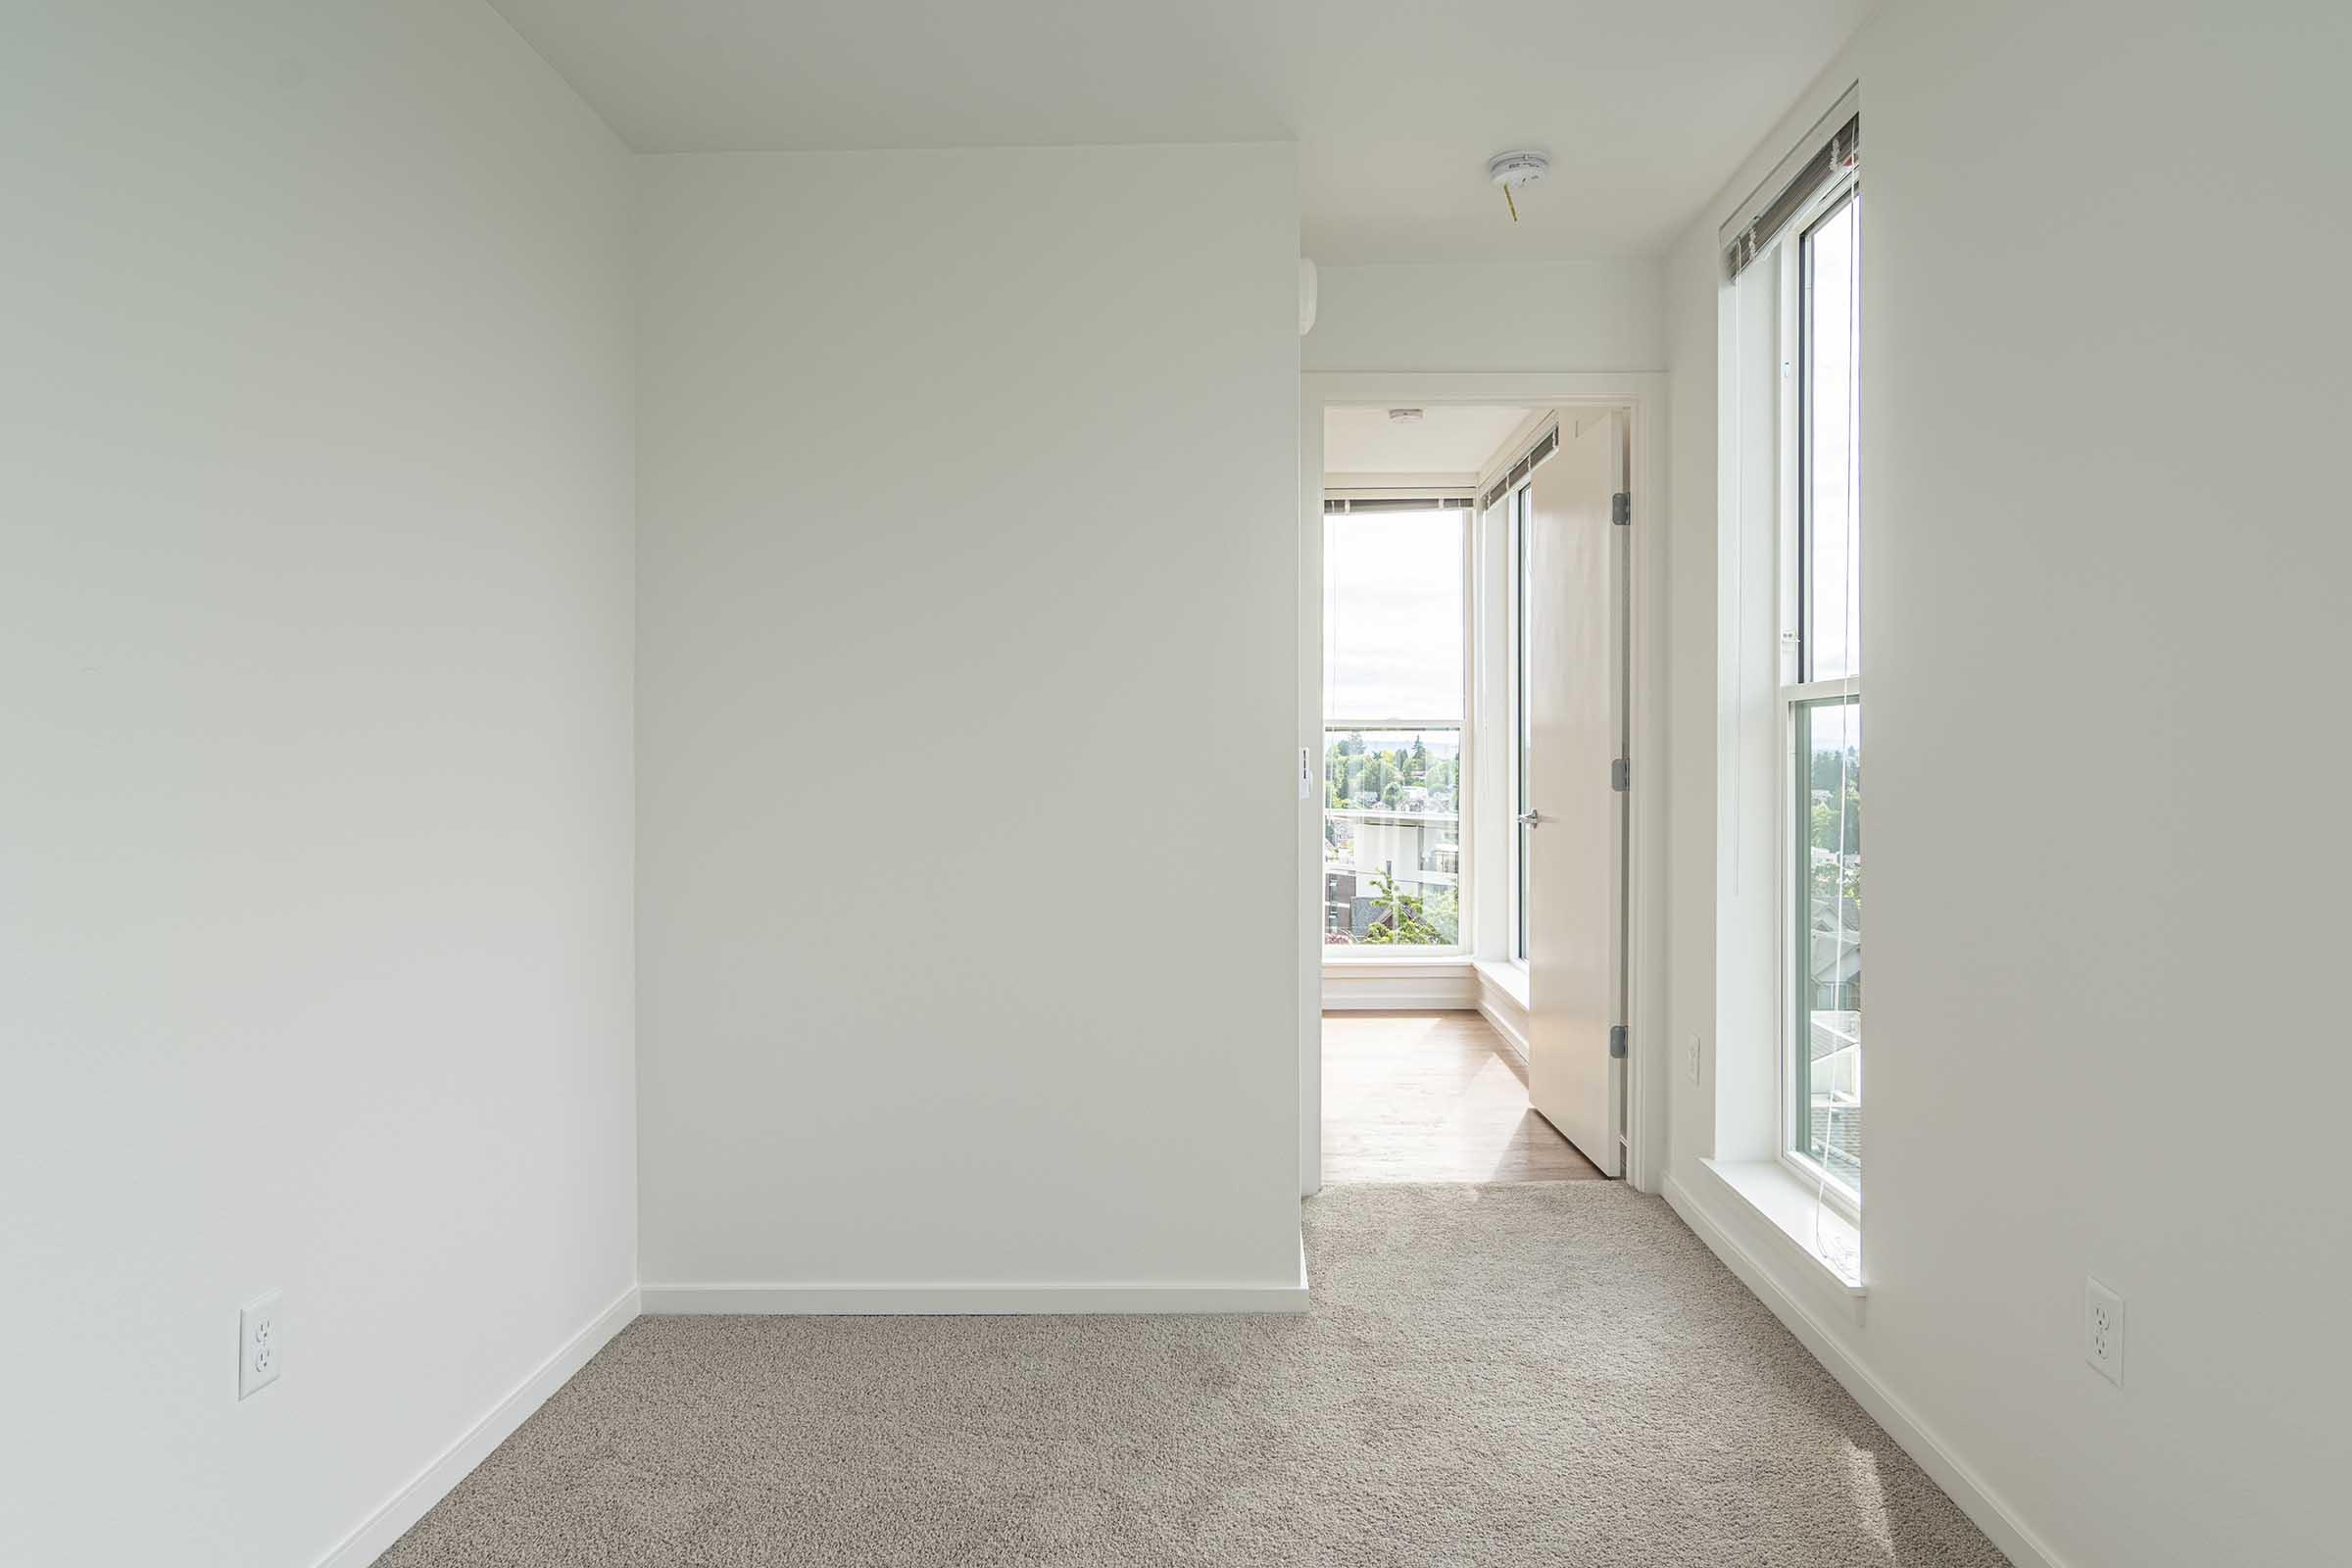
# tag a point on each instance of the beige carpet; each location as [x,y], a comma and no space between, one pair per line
[1551,1374]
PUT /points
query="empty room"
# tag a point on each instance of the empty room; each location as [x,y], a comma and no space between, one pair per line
[1050,785]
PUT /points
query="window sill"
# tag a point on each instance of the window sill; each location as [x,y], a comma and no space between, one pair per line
[1362,955]
[1786,1213]
[1508,978]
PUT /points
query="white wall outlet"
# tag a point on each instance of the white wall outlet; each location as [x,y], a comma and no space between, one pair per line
[261,1344]
[1695,1057]
[2103,1331]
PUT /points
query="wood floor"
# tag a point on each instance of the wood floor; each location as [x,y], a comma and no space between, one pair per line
[1433,1096]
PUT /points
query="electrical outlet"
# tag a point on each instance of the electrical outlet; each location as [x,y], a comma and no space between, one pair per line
[1693,1056]
[2103,1331]
[261,1344]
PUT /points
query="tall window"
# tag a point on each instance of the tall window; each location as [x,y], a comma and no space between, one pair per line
[1822,703]
[1394,629]
[1517,503]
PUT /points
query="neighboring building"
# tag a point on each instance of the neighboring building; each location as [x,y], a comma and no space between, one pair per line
[1420,848]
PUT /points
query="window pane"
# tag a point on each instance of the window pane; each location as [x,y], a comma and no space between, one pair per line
[1832,629]
[1518,504]
[1829,944]
[1393,837]
[1393,614]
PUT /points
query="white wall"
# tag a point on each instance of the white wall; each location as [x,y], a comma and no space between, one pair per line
[2105,643]
[315,651]
[968,487]
[1600,314]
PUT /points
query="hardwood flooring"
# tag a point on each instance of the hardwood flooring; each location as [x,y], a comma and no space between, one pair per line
[1433,1096]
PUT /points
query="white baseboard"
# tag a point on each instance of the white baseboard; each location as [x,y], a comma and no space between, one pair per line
[1507,1019]
[961,1301]
[1426,999]
[1503,1004]
[2022,1547]
[437,1480]
[967,1300]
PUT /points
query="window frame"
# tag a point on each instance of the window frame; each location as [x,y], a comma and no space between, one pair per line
[1515,645]
[1465,939]
[1795,690]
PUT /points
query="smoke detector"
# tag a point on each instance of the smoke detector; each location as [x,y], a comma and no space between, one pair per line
[1404,415]
[1511,171]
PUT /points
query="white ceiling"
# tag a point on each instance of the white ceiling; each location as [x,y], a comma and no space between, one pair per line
[1645,105]
[1447,440]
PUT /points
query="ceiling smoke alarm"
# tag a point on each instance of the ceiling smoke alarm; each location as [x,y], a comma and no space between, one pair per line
[1511,171]
[1404,415]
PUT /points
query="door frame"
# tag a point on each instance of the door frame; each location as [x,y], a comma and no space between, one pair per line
[1642,397]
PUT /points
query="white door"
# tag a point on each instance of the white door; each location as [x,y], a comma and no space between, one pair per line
[1575,675]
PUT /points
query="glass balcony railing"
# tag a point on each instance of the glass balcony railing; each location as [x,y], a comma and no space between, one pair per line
[1392,836]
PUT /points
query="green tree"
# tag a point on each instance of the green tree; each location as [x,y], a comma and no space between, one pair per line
[1444,914]
[1400,921]
[1836,823]
[1836,770]
[1838,878]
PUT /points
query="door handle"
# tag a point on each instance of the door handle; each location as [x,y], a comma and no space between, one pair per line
[1531,818]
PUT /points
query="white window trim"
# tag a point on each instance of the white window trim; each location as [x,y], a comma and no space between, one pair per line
[1514,717]
[1497,624]
[1827,1190]
[1497,696]
[1355,957]
[1769,1207]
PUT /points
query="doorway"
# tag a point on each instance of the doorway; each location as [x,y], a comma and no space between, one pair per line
[1433,1096]
[1475,962]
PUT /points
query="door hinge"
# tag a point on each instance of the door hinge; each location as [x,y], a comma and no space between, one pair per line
[1617,1040]
[1621,509]
[1621,774]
